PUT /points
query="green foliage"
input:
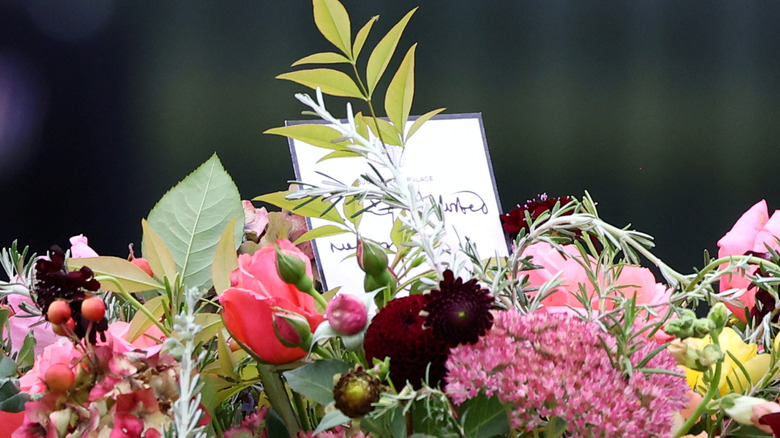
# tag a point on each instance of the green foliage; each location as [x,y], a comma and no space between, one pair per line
[11,398]
[484,417]
[310,207]
[124,275]
[190,219]
[315,380]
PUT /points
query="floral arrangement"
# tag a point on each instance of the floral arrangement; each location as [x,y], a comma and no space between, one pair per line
[222,328]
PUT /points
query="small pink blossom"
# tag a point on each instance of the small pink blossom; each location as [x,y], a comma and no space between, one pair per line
[79,247]
[21,324]
[753,232]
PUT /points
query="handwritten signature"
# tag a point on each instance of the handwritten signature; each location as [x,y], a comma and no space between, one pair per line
[346,246]
[466,202]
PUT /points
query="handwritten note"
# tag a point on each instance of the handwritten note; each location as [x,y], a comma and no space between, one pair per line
[447,158]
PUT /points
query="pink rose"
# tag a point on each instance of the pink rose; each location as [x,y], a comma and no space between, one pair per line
[149,342]
[631,281]
[752,232]
[248,306]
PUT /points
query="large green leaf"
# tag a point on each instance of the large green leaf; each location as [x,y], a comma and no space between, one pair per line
[191,217]
[484,417]
[11,398]
[131,277]
[315,380]
[332,20]
[400,93]
[312,208]
[333,82]
[331,420]
[380,56]
[157,253]
[140,322]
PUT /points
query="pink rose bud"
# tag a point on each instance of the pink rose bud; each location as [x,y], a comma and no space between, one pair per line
[347,314]
[291,329]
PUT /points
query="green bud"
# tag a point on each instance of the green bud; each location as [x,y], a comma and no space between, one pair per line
[687,314]
[710,355]
[719,315]
[292,270]
[371,257]
[681,327]
[702,327]
[740,407]
[292,329]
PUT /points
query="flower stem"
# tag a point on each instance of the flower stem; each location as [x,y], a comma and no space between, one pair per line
[711,391]
[140,307]
[277,395]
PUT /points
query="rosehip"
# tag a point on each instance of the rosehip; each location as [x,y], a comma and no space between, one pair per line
[59,329]
[93,308]
[58,312]
[143,264]
[59,377]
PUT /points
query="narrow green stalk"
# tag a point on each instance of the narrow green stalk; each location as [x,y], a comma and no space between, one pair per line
[711,392]
[277,394]
[303,416]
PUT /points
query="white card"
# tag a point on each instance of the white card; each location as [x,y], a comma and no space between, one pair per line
[447,157]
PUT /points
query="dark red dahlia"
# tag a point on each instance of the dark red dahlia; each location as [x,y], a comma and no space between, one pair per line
[458,312]
[398,332]
[53,282]
[514,221]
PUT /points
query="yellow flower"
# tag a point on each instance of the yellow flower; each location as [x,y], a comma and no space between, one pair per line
[732,377]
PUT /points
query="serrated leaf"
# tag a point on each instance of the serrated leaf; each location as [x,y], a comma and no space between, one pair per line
[140,322]
[318,135]
[331,420]
[190,219]
[322,58]
[362,35]
[332,82]
[225,260]
[316,208]
[323,231]
[483,417]
[419,122]
[131,277]
[384,50]
[315,380]
[332,20]
[400,93]
[389,134]
[211,324]
[157,253]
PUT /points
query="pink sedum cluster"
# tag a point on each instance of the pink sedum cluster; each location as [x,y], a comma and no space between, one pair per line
[535,365]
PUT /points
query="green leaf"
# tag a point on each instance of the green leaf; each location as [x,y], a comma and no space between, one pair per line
[322,58]
[225,259]
[318,135]
[131,277]
[380,56]
[400,93]
[315,208]
[332,20]
[331,420]
[315,380]
[211,324]
[26,357]
[140,323]
[353,210]
[7,366]
[556,426]
[190,219]
[157,253]
[338,154]
[227,366]
[11,398]
[361,36]
[323,231]
[484,417]
[420,120]
[333,82]
[389,134]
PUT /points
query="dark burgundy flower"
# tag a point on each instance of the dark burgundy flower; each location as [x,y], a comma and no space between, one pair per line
[773,421]
[515,220]
[398,332]
[458,312]
[54,282]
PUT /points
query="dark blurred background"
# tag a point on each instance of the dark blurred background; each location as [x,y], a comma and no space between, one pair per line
[666,111]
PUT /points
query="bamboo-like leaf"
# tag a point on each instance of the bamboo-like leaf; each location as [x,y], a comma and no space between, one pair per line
[227,366]
[157,253]
[353,209]
[322,58]
[315,134]
[323,231]
[380,56]
[190,219]
[338,154]
[140,322]
[131,277]
[361,125]
[360,38]
[315,208]
[211,324]
[419,122]
[225,259]
[389,134]
[333,82]
[400,93]
[332,20]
